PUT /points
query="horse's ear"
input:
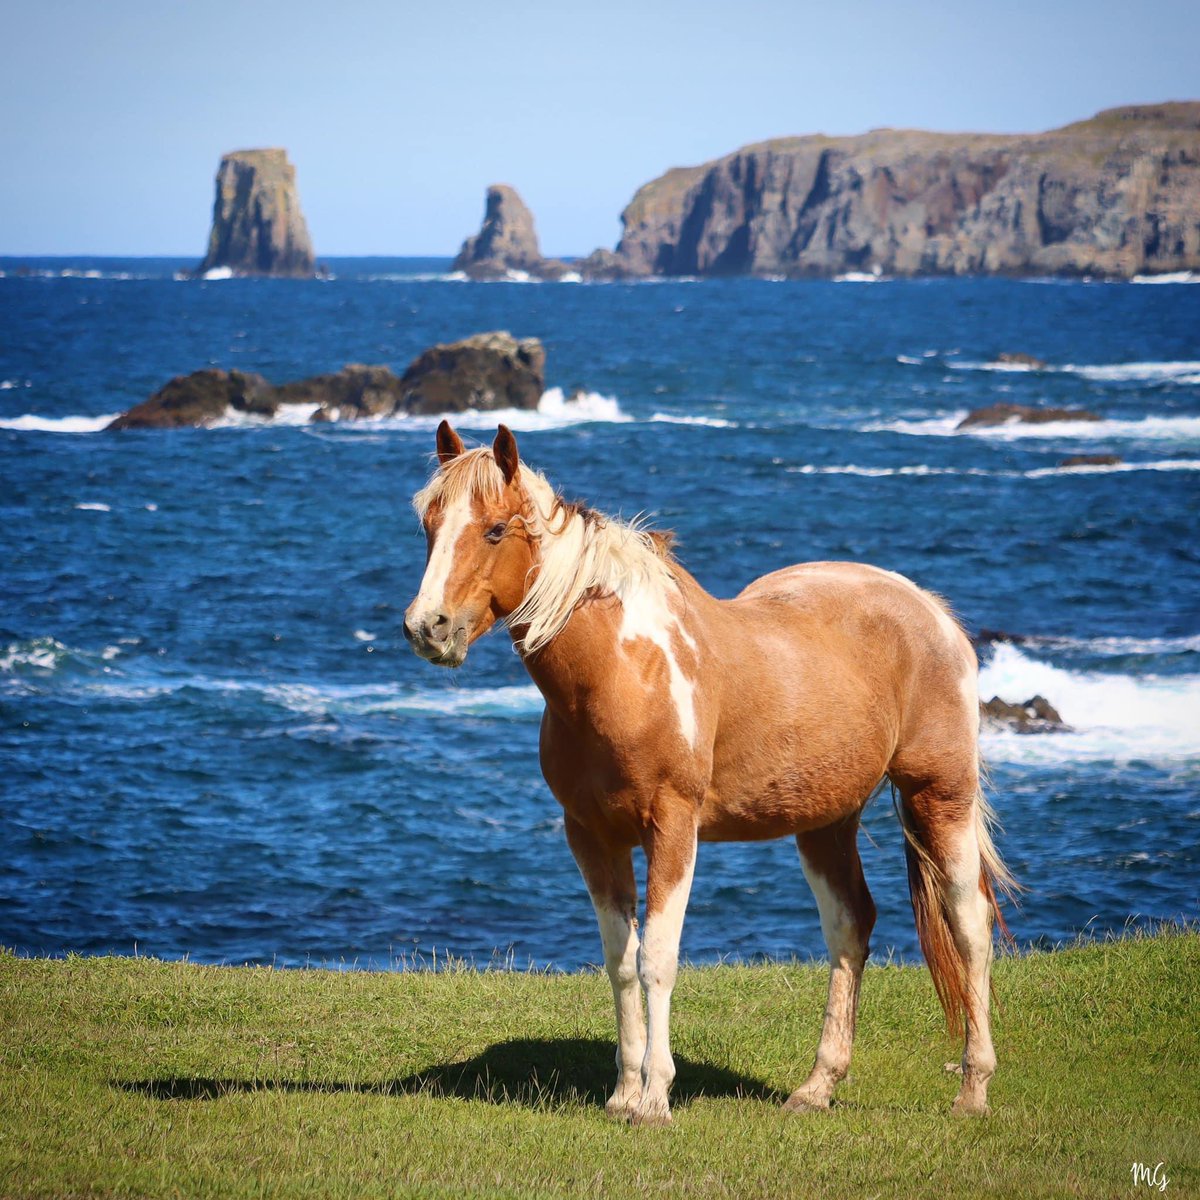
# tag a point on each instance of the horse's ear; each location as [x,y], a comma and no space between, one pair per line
[449,444]
[505,450]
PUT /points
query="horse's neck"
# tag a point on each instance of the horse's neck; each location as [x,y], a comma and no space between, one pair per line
[586,652]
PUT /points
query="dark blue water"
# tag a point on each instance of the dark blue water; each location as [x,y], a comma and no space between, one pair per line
[215,742]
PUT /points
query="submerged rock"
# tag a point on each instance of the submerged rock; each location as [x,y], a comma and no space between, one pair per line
[1036,715]
[1005,414]
[257,225]
[1091,460]
[506,242]
[1115,195]
[488,370]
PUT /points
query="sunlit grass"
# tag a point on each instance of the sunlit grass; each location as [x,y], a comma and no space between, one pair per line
[135,1077]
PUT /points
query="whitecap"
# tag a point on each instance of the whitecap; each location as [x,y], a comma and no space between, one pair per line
[93,506]
[1115,717]
[361,635]
[41,653]
[910,362]
[677,419]
[1146,372]
[1139,429]
[7,385]
[214,274]
[32,423]
[859,277]
[1167,464]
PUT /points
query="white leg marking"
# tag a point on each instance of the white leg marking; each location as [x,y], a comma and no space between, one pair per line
[646,614]
[970,920]
[432,595]
[658,965]
[618,932]
[847,956]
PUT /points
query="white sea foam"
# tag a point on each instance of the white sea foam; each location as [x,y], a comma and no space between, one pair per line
[286,414]
[213,274]
[93,506]
[1169,277]
[908,361]
[676,419]
[555,410]
[362,635]
[1122,646]
[1182,429]
[7,385]
[32,423]
[1168,464]
[42,653]
[1185,372]
[859,277]
[523,700]
[1115,717]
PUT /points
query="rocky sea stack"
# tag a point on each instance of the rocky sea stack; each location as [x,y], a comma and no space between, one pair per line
[486,371]
[1117,195]
[506,242]
[257,225]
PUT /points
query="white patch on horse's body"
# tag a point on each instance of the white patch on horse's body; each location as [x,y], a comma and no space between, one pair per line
[646,613]
[431,598]
[658,965]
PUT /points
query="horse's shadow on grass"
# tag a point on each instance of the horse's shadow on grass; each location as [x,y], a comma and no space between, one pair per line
[531,1071]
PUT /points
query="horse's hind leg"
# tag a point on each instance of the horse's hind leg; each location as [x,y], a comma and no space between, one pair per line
[954,906]
[834,872]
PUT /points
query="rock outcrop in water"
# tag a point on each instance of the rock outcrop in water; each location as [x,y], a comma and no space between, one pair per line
[1116,195]
[257,226]
[1025,414]
[506,242]
[1036,715]
[486,371]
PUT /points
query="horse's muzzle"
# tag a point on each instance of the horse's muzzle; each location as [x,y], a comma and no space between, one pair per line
[436,640]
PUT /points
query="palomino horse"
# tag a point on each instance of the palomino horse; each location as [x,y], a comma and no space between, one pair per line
[673,717]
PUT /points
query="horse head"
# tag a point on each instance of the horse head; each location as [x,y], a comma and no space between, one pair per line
[479,547]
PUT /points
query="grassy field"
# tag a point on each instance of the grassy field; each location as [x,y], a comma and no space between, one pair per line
[135,1077]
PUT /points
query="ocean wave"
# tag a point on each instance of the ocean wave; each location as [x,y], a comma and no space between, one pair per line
[32,423]
[1115,717]
[920,469]
[41,656]
[93,506]
[7,385]
[1184,429]
[1185,372]
[859,277]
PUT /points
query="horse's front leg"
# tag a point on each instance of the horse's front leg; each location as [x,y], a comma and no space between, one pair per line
[608,874]
[670,861]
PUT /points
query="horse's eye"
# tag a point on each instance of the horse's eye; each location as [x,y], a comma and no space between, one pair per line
[496,532]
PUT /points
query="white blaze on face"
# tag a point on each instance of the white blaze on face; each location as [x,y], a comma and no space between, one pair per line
[431,598]
[646,614]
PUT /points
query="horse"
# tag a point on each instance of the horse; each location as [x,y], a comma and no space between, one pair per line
[673,718]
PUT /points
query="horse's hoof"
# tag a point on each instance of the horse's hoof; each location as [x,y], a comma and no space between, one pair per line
[622,1110]
[651,1117]
[797,1102]
[965,1106]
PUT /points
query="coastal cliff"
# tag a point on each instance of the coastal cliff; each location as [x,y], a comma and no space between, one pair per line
[1117,195]
[257,225]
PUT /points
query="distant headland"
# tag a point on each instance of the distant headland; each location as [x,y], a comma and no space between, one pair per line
[1114,196]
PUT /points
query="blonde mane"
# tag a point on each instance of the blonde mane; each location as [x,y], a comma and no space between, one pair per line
[580,552]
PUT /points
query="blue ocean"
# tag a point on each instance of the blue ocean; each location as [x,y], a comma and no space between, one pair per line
[215,742]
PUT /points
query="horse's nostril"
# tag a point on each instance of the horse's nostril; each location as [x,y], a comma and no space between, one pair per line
[440,623]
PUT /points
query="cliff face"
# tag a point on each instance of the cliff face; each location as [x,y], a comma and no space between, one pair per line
[507,241]
[257,227]
[1116,195]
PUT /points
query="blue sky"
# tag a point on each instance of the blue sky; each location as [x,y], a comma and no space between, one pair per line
[397,116]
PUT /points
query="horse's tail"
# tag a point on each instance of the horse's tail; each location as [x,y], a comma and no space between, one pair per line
[927,888]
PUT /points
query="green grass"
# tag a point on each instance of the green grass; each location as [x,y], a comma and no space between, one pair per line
[135,1077]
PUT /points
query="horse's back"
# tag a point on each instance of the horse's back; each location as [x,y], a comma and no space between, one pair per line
[855,670]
